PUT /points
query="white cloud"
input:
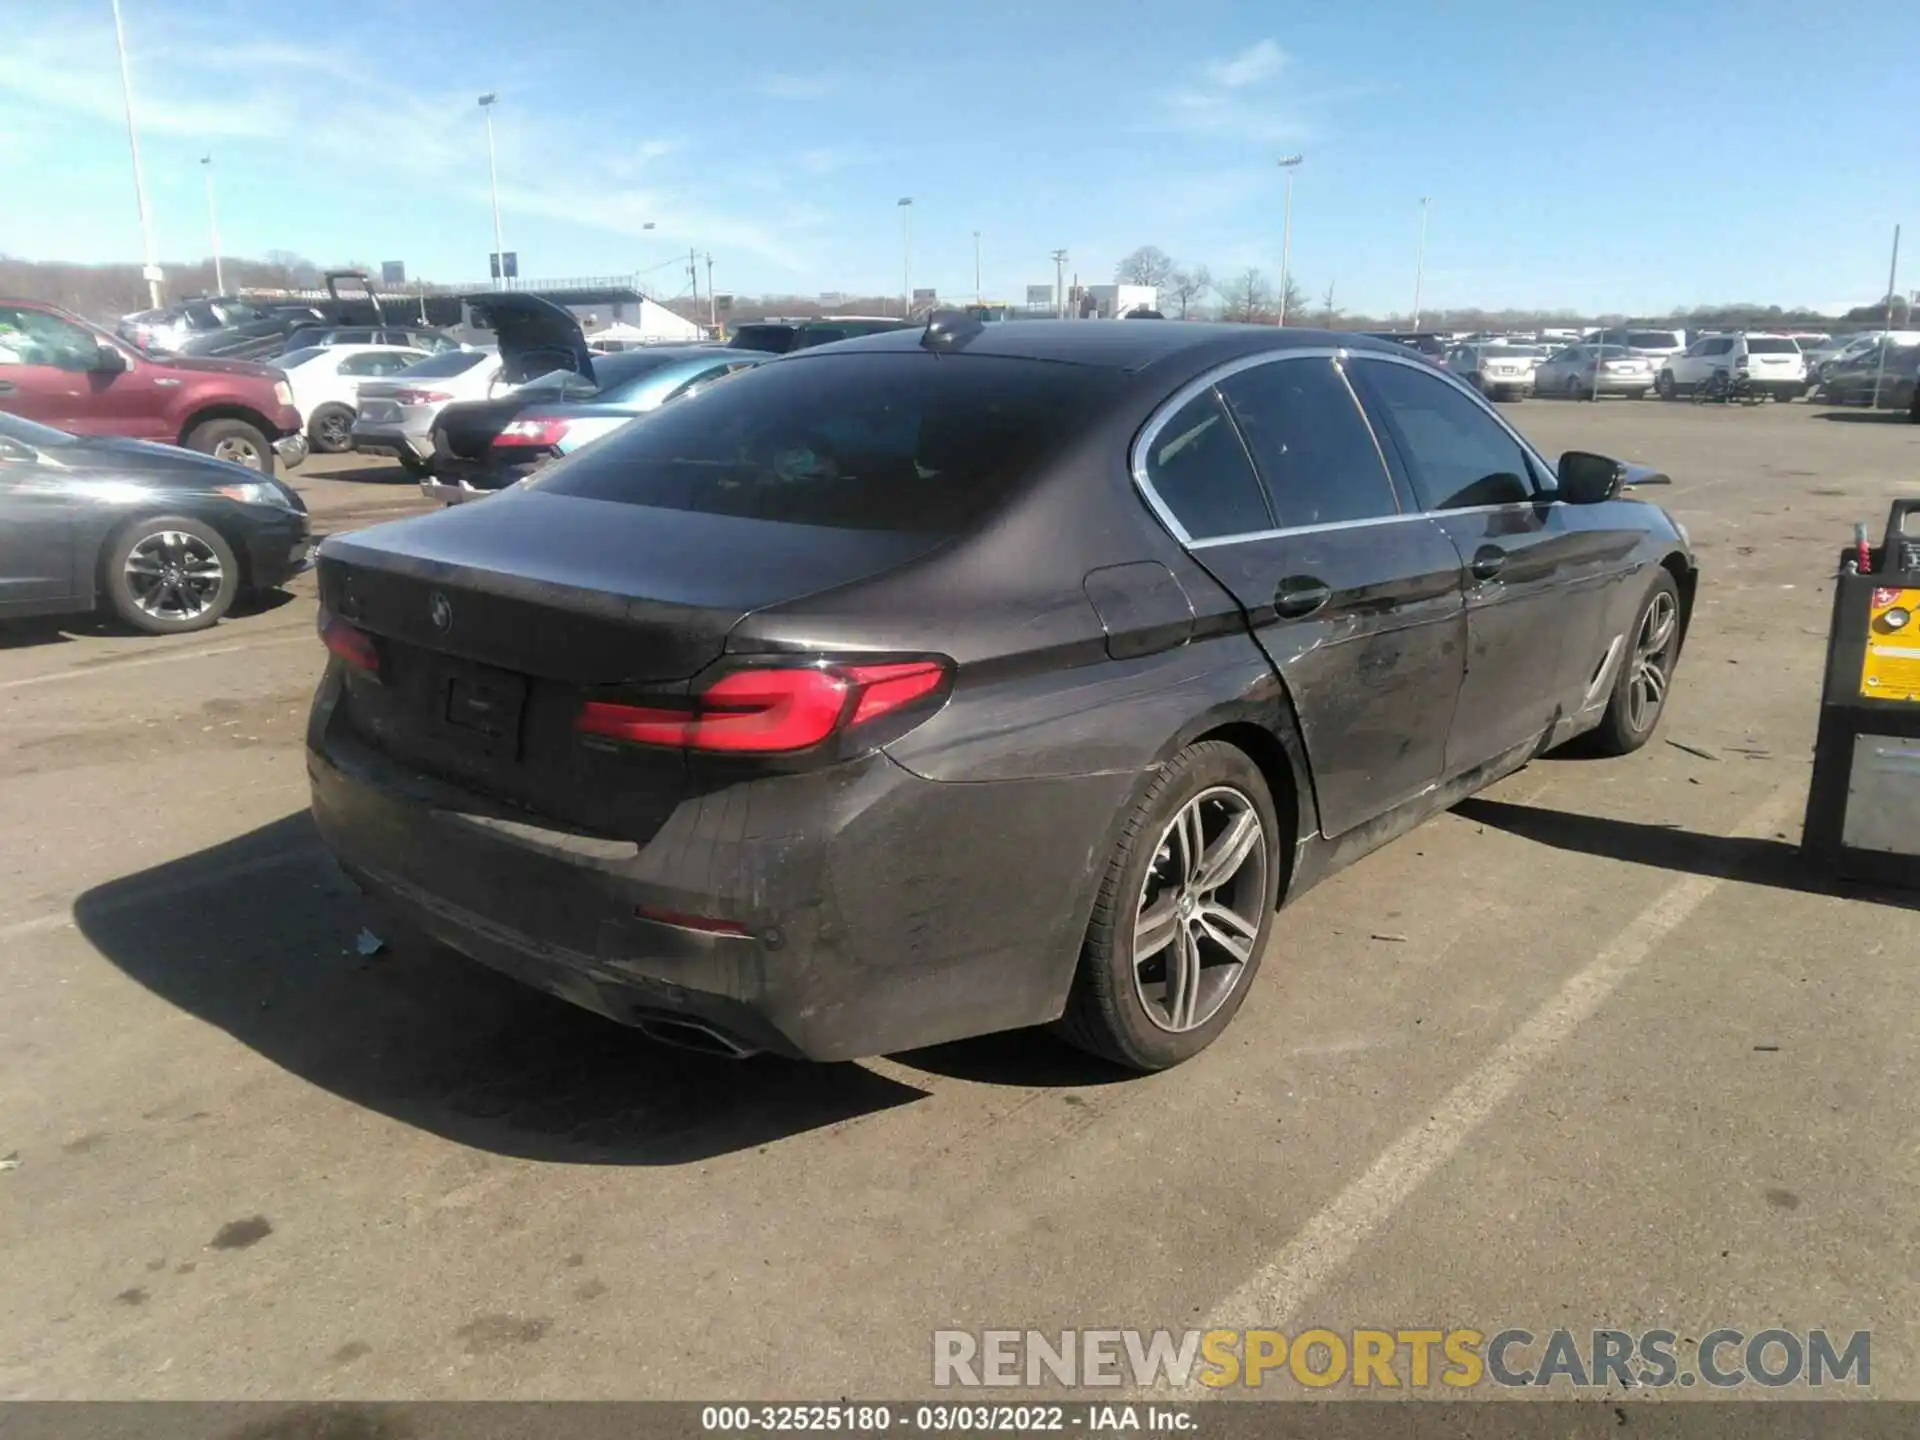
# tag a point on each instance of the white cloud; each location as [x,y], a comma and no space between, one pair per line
[797,87]
[1261,61]
[198,86]
[1229,99]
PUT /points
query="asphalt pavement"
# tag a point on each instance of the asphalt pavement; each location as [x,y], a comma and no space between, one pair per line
[1594,1050]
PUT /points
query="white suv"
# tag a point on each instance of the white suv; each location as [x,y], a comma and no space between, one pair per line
[1772,363]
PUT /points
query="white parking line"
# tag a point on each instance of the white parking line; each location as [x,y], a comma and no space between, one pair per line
[134,662]
[1275,1293]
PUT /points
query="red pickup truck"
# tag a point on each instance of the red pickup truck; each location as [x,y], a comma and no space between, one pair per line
[58,370]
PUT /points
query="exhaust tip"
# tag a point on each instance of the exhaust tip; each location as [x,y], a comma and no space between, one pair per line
[693,1035]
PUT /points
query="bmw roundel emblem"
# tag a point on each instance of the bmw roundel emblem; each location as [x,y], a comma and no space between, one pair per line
[440,611]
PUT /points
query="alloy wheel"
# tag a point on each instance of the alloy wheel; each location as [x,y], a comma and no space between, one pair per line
[173,575]
[239,451]
[1200,911]
[335,430]
[1652,659]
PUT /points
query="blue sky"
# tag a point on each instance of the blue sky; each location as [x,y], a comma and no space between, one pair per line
[1603,157]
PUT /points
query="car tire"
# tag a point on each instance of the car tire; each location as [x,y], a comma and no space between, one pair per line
[233,440]
[330,429]
[1645,681]
[1573,387]
[154,572]
[1663,385]
[1113,1009]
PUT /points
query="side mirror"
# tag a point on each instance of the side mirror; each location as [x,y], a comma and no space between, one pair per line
[108,361]
[1589,479]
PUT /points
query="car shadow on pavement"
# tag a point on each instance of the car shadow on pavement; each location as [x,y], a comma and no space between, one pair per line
[1867,417]
[1775,863]
[1031,1059]
[374,474]
[257,937]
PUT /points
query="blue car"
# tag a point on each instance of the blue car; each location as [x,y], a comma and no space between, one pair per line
[570,398]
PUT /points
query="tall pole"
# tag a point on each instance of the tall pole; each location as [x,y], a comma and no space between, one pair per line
[713,314]
[905,202]
[693,278]
[976,267]
[152,269]
[1886,341]
[213,225]
[1059,283]
[1420,265]
[493,181]
[1289,163]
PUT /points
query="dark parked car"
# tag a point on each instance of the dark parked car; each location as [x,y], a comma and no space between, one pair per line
[165,538]
[1852,381]
[964,679]
[1429,344]
[777,337]
[217,326]
[478,445]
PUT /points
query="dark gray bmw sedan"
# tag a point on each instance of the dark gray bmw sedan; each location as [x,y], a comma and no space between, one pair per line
[962,679]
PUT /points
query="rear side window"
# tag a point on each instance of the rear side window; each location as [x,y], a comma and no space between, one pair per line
[778,339]
[1650,339]
[1200,470]
[1768,345]
[1455,453]
[1310,443]
[449,362]
[1719,346]
[923,443]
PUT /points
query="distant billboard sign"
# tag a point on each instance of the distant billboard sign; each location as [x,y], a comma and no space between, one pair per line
[393,272]
[1039,294]
[925,297]
[723,304]
[511,268]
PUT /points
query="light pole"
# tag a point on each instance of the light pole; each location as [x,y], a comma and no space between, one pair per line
[713,311]
[487,102]
[976,267]
[1059,281]
[1288,163]
[213,224]
[152,269]
[1420,264]
[905,203]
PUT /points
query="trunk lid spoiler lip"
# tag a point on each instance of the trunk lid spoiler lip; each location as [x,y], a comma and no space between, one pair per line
[530,325]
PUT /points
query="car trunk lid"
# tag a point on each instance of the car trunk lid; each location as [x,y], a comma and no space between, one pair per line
[495,623]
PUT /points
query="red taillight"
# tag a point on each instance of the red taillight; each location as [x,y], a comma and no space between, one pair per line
[770,710]
[354,646]
[680,919]
[422,397]
[537,431]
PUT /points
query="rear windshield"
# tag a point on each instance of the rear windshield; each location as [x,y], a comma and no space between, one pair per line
[867,441]
[777,338]
[1768,345]
[289,359]
[451,362]
[1652,340]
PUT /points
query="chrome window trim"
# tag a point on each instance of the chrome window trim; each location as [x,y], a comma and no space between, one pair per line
[1340,356]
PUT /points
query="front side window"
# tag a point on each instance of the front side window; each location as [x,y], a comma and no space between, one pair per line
[1456,454]
[33,337]
[1721,346]
[1310,443]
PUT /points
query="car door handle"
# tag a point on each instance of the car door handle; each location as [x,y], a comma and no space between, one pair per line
[1300,595]
[1488,561]
[6,387]
[163,380]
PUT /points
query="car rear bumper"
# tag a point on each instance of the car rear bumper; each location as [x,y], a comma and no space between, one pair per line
[868,910]
[1521,384]
[1625,384]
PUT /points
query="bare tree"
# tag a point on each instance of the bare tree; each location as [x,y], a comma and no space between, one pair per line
[1185,288]
[1329,312]
[1247,298]
[1149,265]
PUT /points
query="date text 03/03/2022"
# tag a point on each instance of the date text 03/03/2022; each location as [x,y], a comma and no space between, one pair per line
[944,1419]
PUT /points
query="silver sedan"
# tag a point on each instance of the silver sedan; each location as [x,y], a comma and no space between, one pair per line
[1499,372]
[1586,372]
